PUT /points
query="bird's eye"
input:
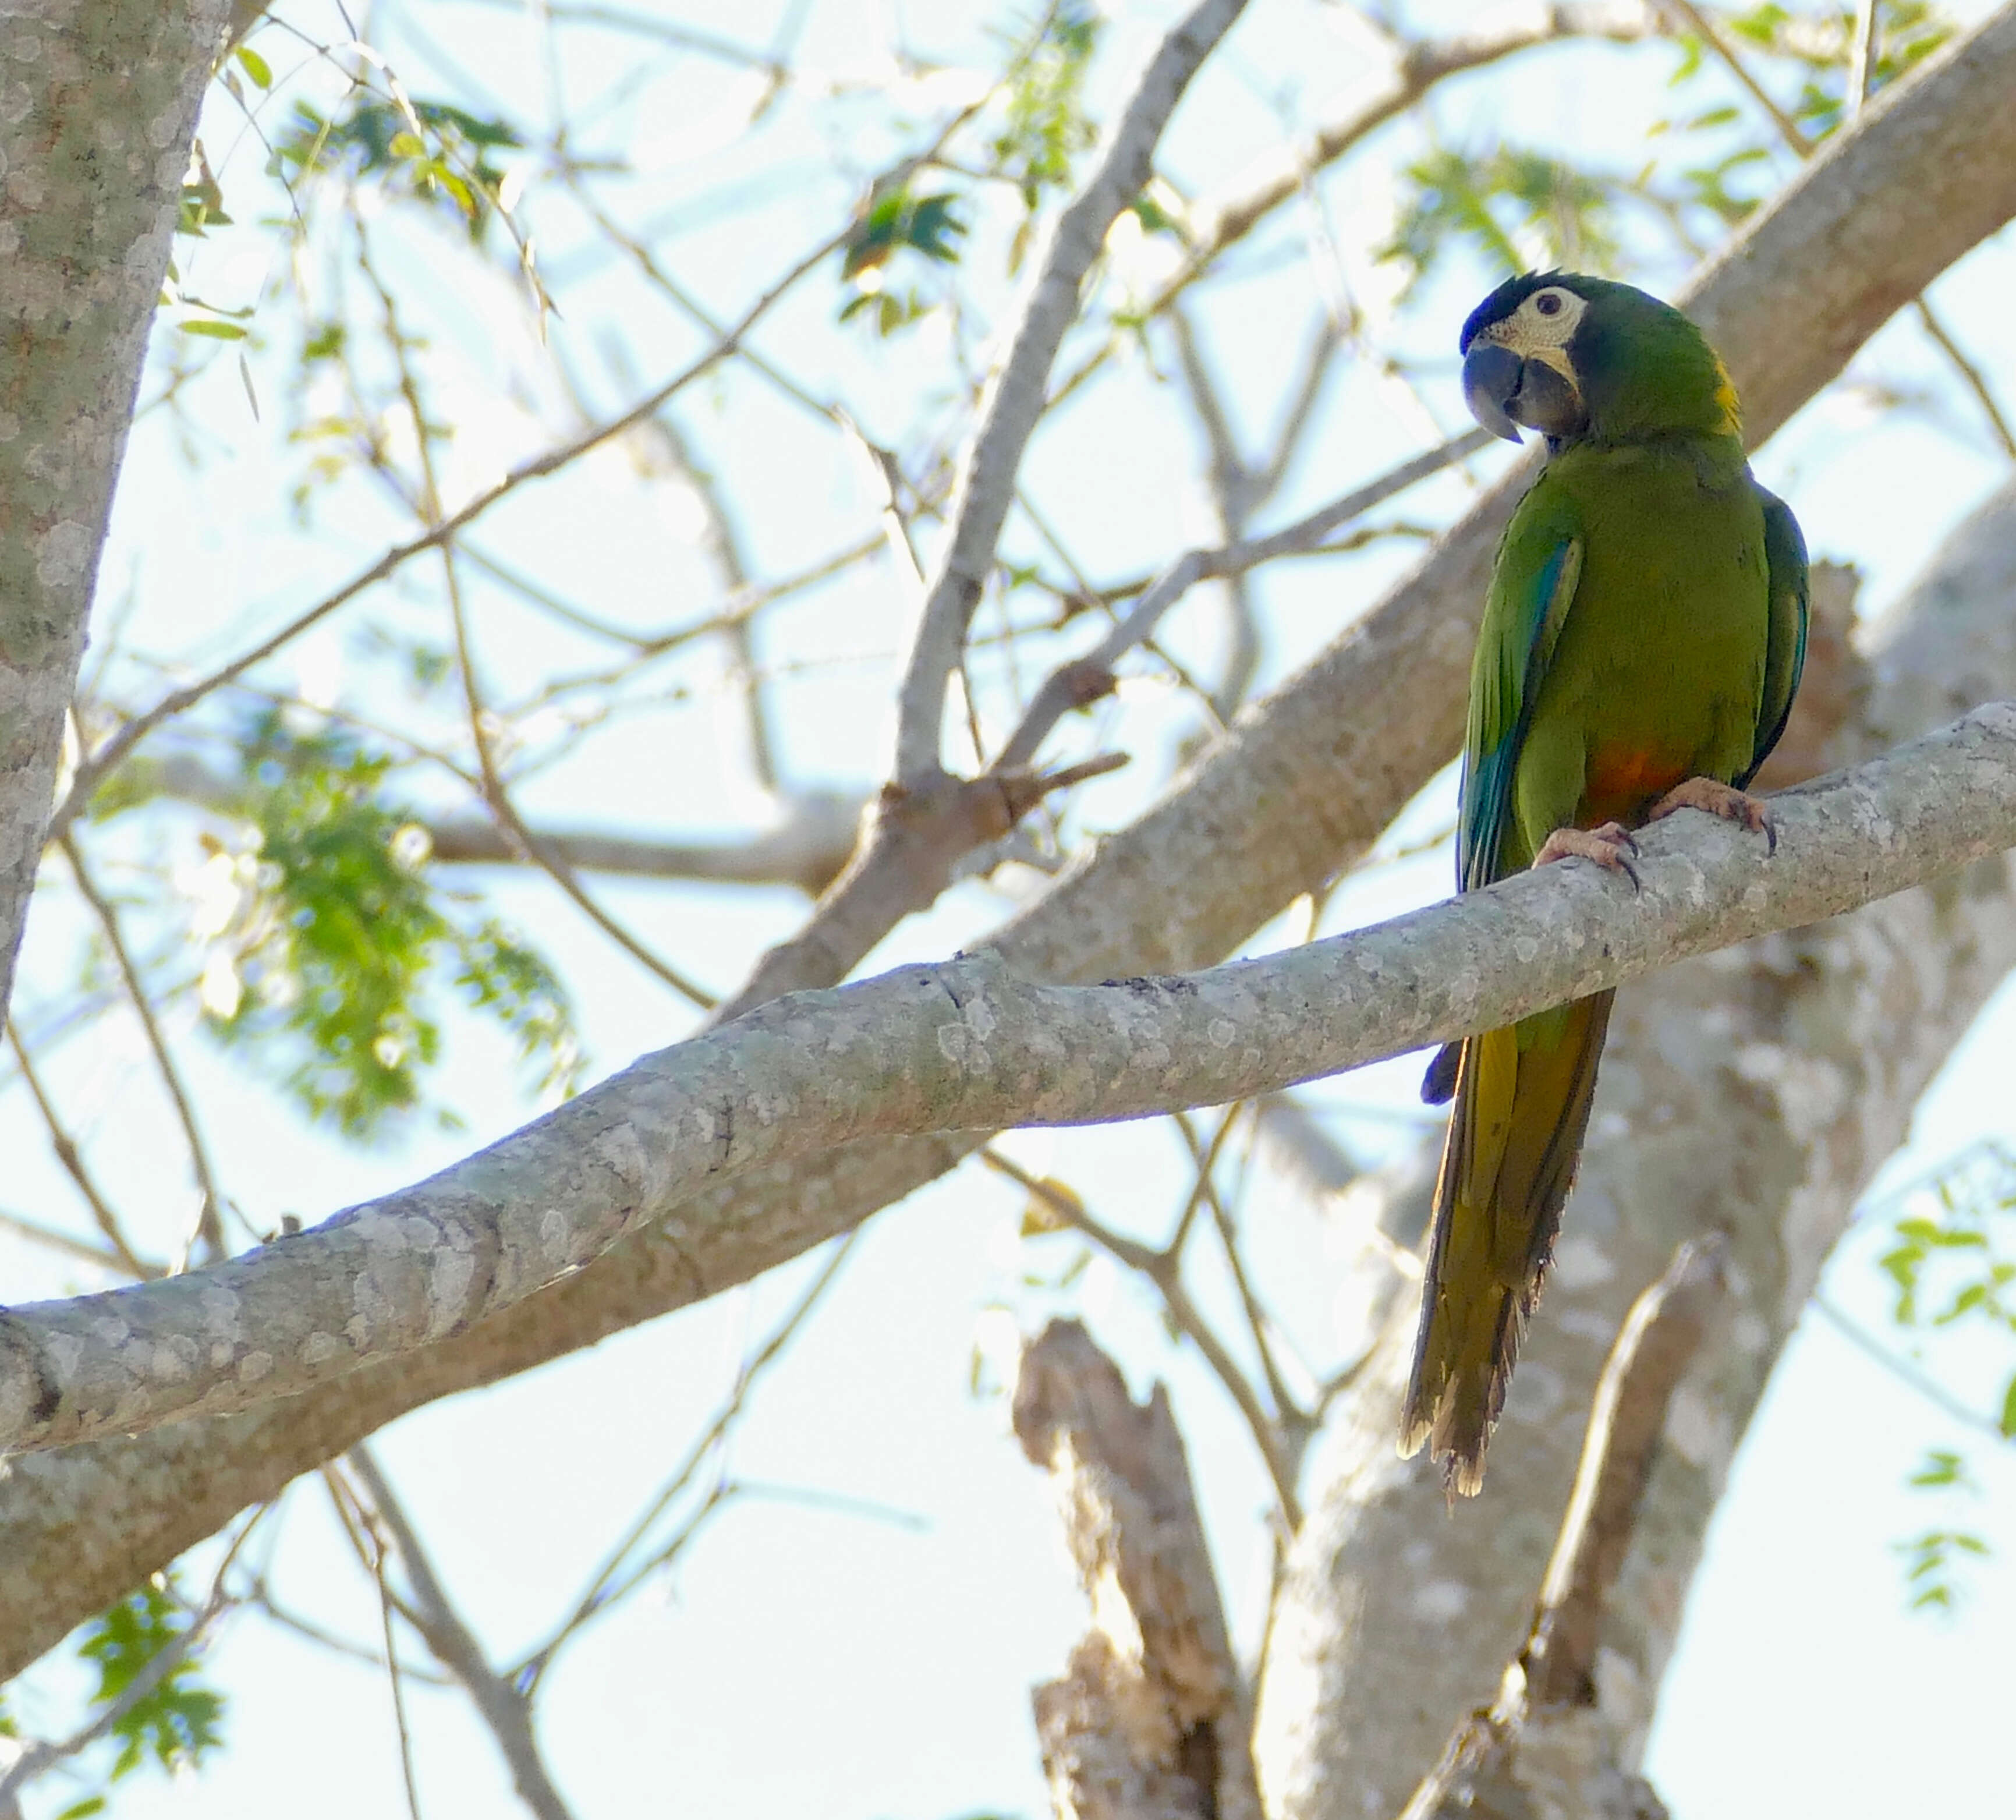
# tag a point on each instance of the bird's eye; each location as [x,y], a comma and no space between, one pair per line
[1548,303]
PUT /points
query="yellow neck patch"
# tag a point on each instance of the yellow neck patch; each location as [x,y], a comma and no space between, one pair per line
[1726,399]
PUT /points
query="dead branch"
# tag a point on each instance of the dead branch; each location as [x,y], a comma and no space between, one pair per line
[1151,1722]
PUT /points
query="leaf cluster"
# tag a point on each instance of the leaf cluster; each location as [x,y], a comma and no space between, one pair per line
[1951,1264]
[178,1720]
[431,151]
[341,933]
[1045,125]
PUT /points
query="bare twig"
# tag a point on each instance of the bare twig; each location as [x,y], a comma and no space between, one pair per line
[1223,218]
[1164,1269]
[611,1583]
[1862,59]
[72,1159]
[504,1709]
[1086,678]
[497,798]
[208,1224]
[1014,401]
[101,763]
[1905,1373]
[1292,1420]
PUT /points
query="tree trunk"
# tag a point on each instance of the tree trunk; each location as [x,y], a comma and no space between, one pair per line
[1754,1092]
[97,105]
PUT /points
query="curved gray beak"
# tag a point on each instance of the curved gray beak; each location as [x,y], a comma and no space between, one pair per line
[1491,376]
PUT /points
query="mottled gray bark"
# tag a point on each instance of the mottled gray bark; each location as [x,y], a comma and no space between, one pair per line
[969,1045]
[98,103]
[1307,780]
[1753,1093]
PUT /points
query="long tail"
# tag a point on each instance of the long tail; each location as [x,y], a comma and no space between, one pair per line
[1514,1137]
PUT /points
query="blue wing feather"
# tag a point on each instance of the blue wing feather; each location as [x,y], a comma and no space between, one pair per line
[1509,666]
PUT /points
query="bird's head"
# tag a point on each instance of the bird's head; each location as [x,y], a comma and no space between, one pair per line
[1574,357]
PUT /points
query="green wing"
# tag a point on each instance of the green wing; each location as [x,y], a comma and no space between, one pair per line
[1785,651]
[1532,585]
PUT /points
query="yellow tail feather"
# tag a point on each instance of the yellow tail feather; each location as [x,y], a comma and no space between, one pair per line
[1522,1100]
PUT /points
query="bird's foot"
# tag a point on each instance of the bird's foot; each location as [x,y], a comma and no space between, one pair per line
[1724,800]
[1607,845]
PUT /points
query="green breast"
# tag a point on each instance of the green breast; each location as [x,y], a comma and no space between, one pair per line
[1659,670]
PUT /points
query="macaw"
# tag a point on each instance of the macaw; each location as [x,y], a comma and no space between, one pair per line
[1640,645]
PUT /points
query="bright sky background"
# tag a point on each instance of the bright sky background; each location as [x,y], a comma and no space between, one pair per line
[836,1661]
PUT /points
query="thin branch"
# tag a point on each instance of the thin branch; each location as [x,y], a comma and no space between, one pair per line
[260,1598]
[1014,398]
[606,1588]
[1226,216]
[1862,59]
[70,1246]
[502,1708]
[1164,1271]
[1788,130]
[1970,371]
[496,797]
[1907,1374]
[1289,1417]
[1705,28]
[396,1676]
[1086,679]
[123,1256]
[208,1224]
[101,762]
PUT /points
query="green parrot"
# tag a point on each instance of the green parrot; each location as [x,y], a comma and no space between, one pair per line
[1639,649]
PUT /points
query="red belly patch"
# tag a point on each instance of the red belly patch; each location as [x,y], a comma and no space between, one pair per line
[1620,783]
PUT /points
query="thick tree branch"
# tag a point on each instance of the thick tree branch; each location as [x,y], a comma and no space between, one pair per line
[968,1045]
[806,846]
[1306,780]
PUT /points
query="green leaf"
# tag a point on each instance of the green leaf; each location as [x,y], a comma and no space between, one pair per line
[895,219]
[1942,1468]
[2007,1423]
[338,945]
[178,1720]
[255,66]
[502,976]
[1513,207]
[1046,125]
[213,329]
